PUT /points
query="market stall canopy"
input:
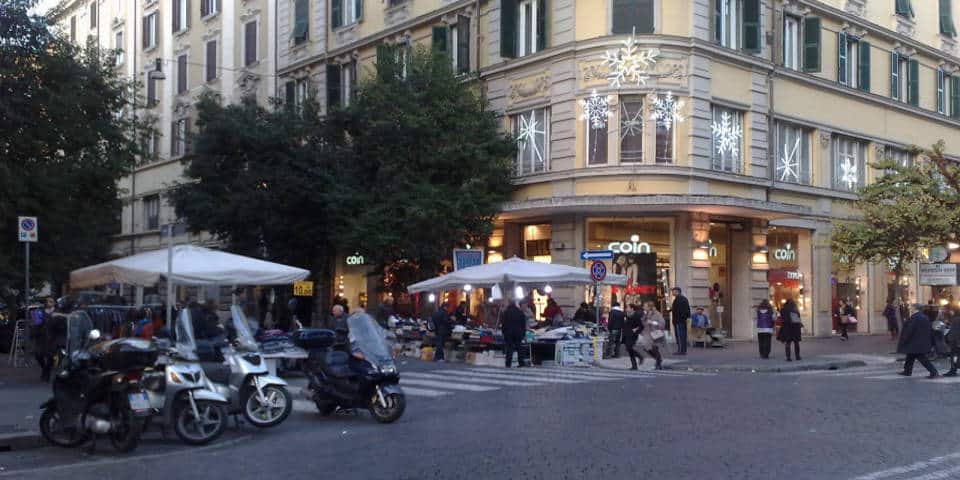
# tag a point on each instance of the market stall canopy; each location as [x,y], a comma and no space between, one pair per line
[514,271]
[192,265]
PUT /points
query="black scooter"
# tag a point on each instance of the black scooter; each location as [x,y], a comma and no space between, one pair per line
[98,391]
[364,378]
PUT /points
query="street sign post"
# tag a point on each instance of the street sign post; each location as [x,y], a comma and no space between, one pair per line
[27,233]
[596,255]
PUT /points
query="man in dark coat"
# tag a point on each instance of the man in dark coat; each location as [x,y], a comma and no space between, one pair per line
[513,323]
[679,314]
[442,327]
[615,323]
[916,340]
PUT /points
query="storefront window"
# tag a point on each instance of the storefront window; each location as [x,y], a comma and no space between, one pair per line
[643,251]
[784,276]
[536,247]
[717,251]
[846,286]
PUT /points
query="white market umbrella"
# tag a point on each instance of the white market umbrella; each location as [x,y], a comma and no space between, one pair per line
[514,271]
[192,265]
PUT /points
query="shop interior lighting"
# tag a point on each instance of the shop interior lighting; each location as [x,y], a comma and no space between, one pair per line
[518,292]
[953,245]
[431,298]
[548,289]
[467,287]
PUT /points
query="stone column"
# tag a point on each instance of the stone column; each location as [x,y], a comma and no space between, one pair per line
[692,233]
[821,282]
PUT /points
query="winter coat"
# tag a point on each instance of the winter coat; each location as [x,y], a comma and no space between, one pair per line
[42,331]
[652,321]
[917,335]
[765,320]
[513,323]
[790,331]
[680,310]
[616,319]
[890,313]
[441,323]
[632,328]
[953,336]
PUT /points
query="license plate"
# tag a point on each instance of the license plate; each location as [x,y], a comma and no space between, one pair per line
[139,402]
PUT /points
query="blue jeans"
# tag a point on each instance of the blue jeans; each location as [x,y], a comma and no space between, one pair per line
[680,329]
[438,352]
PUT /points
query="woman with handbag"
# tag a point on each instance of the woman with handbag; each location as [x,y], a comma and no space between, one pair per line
[848,315]
[790,331]
[765,322]
[652,335]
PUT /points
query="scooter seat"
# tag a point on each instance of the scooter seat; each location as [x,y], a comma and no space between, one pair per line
[216,372]
[337,364]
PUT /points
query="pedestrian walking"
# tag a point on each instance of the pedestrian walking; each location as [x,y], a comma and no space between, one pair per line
[44,337]
[631,333]
[513,324]
[765,323]
[916,340]
[652,336]
[615,323]
[790,330]
[953,342]
[848,316]
[680,313]
[890,313]
[442,327]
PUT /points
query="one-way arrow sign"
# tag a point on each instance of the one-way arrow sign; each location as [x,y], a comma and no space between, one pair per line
[596,255]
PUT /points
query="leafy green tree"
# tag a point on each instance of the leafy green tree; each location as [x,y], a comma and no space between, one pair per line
[902,212]
[425,168]
[64,143]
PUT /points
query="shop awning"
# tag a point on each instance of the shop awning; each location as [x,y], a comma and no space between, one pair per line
[511,272]
[192,265]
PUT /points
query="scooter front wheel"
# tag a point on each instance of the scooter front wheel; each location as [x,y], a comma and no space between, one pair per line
[194,430]
[52,429]
[396,403]
[269,411]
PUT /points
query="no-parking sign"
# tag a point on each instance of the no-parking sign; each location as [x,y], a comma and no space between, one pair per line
[27,229]
[598,271]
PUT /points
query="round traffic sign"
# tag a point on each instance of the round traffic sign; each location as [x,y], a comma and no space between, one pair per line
[598,271]
[27,224]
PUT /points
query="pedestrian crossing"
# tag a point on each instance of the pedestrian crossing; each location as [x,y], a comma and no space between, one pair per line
[443,382]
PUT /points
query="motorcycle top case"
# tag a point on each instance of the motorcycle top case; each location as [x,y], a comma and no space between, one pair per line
[128,354]
[310,338]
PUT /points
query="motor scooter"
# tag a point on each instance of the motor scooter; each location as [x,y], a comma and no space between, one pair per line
[243,377]
[366,377]
[180,391]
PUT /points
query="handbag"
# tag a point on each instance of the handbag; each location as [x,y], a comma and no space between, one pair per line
[851,320]
[657,334]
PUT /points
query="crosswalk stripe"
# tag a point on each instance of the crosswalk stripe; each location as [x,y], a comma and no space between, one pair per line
[447,385]
[422,392]
[851,373]
[508,376]
[844,372]
[893,376]
[572,374]
[508,383]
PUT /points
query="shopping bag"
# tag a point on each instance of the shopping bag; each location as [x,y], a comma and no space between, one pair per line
[851,320]
[667,336]
[657,334]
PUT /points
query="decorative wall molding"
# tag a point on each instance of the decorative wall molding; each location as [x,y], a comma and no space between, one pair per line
[250,14]
[948,45]
[181,108]
[879,150]
[825,137]
[905,26]
[856,7]
[451,18]
[596,73]
[853,30]
[533,86]
[904,51]
[248,82]
[397,13]
[348,57]
[211,35]
[794,7]
[347,34]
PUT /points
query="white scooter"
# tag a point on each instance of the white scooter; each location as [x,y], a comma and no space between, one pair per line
[263,399]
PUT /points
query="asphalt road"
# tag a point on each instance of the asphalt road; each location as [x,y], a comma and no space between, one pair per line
[478,423]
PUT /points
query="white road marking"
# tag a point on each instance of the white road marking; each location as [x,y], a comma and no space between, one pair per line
[571,374]
[448,385]
[422,392]
[940,474]
[508,383]
[892,472]
[507,376]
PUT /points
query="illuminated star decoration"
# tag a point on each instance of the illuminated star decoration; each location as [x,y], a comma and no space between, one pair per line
[596,110]
[789,167]
[848,173]
[629,64]
[631,124]
[727,135]
[667,111]
[528,132]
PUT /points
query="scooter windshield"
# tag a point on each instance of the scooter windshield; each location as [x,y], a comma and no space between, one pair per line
[237,326]
[368,337]
[186,341]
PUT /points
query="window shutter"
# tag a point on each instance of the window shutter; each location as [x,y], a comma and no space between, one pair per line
[955,97]
[895,75]
[250,43]
[633,14]
[913,83]
[176,16]
[941,86]
[718,21]
[187,16]
[863,67]
[333,87]
[336,13]
[146,31]
[463,44]
[290,93]
[93,15]
[543,16]
[811,44]
[508,28]
[174,145]
[946,18]
[301,20]
[842,58]
[181,73]
[359,9]
[204,11]
[211,60]
[904,8]
[440,33]
[752,33]
[386,66]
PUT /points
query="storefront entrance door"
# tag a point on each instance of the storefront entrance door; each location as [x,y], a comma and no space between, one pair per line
[720,298]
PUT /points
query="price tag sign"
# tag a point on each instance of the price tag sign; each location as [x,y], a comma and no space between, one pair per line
[27,229]
[303,289]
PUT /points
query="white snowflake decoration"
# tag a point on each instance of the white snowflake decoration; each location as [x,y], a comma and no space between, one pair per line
[631,124]
[528,132]
[727,135]
[629,64]
[789,166]
[667,111]
[848,173]
[596,109]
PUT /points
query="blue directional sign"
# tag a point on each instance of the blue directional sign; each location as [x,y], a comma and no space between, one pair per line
[596,255]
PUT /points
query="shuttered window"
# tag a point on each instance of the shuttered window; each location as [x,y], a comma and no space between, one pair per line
[752,30]
[333,87]
[942,81]
[633,15]
[811,44]
[290,93]
[946,19]
[904,8]
[461,45]
[181,15]
[791,42]
[211,60]
[955,97]
[93,15]
[863,66]
[523,27]
[181,74]
[345,12]
[440,34]
[209,7]
[73,31]
[151,91]
[151,23]
[913,83]
[508,28]
[301,21]
[250,43]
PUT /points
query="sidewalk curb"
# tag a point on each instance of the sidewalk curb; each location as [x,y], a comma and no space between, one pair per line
[21,441]
[799,367]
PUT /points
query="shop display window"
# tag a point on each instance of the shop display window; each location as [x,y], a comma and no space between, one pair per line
[643,251]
